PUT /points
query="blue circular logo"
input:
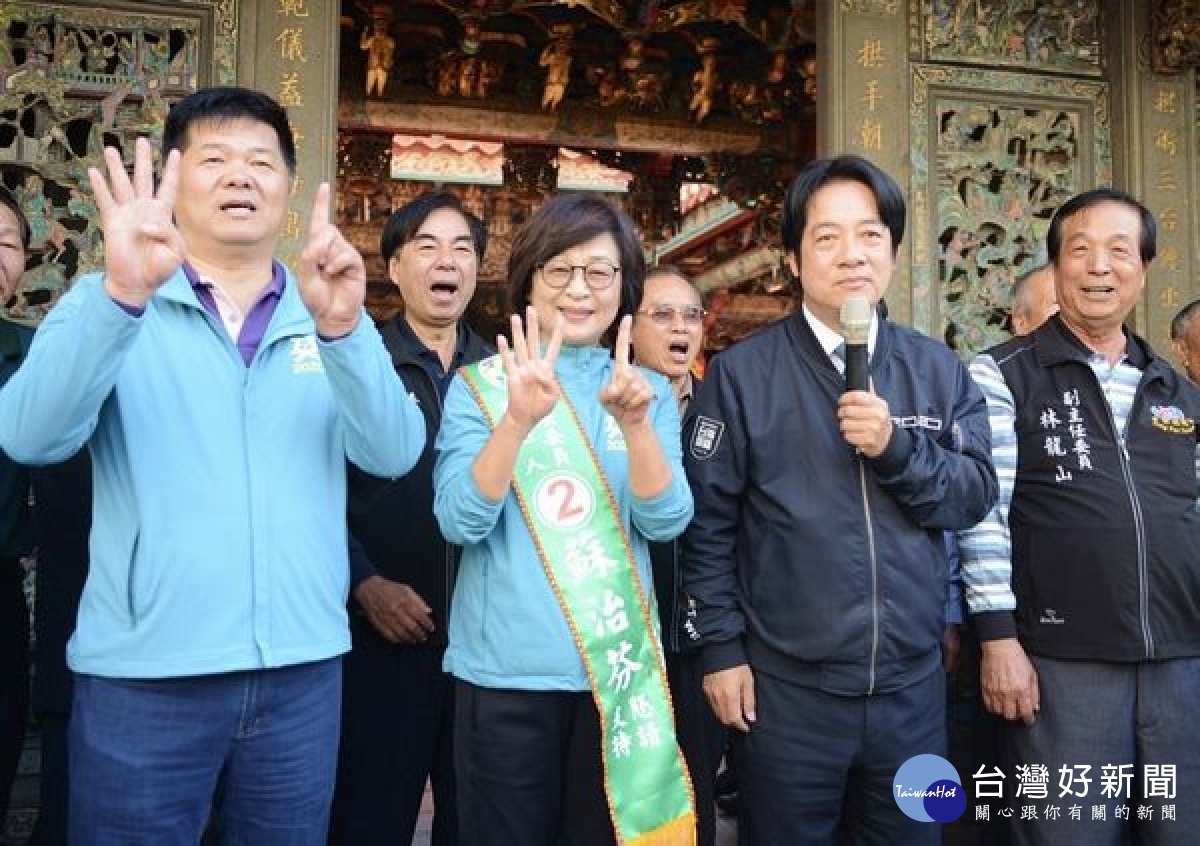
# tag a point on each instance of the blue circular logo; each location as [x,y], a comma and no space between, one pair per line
[927,788]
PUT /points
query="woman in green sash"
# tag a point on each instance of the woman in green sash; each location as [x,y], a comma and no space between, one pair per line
[556,463]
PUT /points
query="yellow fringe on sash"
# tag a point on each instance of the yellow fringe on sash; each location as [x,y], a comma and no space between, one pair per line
[678,832]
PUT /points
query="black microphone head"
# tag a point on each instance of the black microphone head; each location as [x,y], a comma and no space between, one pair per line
[855,317]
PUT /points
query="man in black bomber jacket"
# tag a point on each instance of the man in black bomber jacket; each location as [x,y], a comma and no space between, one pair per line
[816,555]
[397,704]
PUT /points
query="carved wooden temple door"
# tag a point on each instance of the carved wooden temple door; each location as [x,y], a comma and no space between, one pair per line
[995,111]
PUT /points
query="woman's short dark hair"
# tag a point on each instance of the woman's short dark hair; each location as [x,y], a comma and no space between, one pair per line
[223,104]
[407,220]
[565,221]
[849,168]
[1147,245]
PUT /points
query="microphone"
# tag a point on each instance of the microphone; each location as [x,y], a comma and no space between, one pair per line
[856,329]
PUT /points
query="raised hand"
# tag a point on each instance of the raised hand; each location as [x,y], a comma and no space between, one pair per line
[331,275]
[533,388]
[628,394]
[142,246]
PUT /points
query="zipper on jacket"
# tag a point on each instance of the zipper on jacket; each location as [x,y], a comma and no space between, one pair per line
[1135,505]
[862,478]
[1139,530]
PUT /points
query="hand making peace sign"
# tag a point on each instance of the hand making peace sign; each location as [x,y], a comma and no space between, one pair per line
[628,394]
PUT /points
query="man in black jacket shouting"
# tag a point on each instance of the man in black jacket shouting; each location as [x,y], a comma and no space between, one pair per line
[397,703]
[816,555]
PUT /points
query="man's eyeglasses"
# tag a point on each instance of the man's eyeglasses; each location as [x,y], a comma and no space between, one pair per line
[664,315]
[598,273]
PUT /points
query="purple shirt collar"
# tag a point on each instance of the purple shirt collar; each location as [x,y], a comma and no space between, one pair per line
[254,327]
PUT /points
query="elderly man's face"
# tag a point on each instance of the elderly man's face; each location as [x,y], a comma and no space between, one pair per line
[1099,271]
[12,255]
[668,329]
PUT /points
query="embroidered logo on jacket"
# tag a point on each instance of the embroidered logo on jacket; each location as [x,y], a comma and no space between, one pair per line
[706,437]
[1065,437]
[1171,419]
[305,356]
[918,421]
[614,438]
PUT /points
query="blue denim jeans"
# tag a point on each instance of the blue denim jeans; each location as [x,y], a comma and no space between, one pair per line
[152,760]
[1099,715]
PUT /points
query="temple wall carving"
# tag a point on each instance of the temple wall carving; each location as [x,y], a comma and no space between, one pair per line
[73,79]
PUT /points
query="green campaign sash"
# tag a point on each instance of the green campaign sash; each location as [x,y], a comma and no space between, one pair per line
[572,516]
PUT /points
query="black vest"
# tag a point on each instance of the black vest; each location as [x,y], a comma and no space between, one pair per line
[1105,528]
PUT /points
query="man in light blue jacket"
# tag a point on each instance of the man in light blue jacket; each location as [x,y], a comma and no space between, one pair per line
[220,396]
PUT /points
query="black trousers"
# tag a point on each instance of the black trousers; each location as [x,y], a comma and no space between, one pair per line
[14,675]
[529,769]
[51,827]
[817,768]
[701,737]
[397,731]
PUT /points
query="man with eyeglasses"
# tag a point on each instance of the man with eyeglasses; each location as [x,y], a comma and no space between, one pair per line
[668,334]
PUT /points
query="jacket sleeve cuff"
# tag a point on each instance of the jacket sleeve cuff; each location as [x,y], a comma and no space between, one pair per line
[721,656]
[894,458]
[994,625]
[361,568]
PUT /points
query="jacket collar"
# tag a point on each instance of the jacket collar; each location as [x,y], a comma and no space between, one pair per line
[1054,343]
[404,345]
[10,340]
[291,316]
[809,346]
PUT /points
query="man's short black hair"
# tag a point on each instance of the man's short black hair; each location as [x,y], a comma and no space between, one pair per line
[407,220]
[1148,245]
[223,104]
[848,168]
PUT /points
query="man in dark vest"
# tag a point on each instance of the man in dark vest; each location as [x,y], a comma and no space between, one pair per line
[1083,581]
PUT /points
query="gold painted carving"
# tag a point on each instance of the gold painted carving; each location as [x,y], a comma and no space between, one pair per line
[1175,35]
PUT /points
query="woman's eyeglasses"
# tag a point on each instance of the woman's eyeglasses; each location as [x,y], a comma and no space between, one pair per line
[664,315]
[598,273]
